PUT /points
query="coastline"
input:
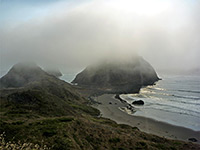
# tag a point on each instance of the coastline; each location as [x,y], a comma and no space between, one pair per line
[109,108]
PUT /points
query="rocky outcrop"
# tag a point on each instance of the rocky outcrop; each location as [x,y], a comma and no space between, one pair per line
[117,77]
[139,102]
[117,96]
[30,88]
[192,139]
[22,74]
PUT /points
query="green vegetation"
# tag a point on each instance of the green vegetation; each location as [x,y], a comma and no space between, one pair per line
[84,132]
[19,145]
[49,113]
[113,76]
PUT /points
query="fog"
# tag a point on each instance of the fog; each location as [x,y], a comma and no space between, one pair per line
[71,35]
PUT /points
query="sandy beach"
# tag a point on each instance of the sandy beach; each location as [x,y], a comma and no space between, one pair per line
[110,108]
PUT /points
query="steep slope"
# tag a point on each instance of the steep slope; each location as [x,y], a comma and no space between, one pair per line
[47,111]
[117,77]
[28,88]
[22,74]
[87,133]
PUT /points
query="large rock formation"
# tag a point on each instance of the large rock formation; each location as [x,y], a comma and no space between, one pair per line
[117,77]
[29,88]
[22,74]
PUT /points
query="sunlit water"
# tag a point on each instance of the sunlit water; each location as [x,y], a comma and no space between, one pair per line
[175,100]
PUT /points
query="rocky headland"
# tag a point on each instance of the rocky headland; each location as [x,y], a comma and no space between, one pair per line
[117,77]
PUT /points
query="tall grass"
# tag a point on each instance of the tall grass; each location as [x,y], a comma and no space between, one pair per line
[10,145]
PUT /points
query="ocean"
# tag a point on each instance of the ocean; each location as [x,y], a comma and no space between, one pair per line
[68,77]
[175,99]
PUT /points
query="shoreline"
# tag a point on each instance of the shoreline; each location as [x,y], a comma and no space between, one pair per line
[109,108]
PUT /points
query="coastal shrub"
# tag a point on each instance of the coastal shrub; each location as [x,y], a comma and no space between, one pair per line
[18,122]
[136,128]
[76,139]
[124,126]
[177,143]
[62,144]
[89,138]
[49,133]
[10,145]
[19,111]
[66,119]
[161,146]
[173,148]
[114,140]
[87,109]
[121,148]
[141,145]
[109,122]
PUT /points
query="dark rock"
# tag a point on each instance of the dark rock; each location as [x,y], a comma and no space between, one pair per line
[117,96]
[140,102]
[117,77]
[192,140]
[110,103]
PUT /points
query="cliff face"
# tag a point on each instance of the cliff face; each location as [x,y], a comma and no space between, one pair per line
[118,77]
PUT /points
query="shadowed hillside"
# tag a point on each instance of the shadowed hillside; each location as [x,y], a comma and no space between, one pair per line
[27,88]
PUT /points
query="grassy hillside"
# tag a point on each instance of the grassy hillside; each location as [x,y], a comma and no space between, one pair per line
[85,132]
[48,111]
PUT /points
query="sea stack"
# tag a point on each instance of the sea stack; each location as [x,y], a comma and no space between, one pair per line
[117,76]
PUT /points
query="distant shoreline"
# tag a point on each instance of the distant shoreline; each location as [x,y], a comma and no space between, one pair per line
[109,108]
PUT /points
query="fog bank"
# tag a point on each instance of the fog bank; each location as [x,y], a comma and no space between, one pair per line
[71,35]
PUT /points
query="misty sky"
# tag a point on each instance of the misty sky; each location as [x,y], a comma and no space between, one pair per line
[74,33]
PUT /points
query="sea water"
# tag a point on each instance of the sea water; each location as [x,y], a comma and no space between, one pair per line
[68,77]
[174,99]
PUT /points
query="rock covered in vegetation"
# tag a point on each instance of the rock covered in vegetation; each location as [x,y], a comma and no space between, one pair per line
[117,76]
[22,74]
[26,87]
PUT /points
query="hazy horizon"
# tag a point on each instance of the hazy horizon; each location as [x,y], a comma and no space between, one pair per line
[72,34]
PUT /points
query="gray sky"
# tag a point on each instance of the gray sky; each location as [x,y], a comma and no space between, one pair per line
[73,34]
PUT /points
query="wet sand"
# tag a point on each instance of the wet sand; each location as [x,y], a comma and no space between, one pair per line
[109,108]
